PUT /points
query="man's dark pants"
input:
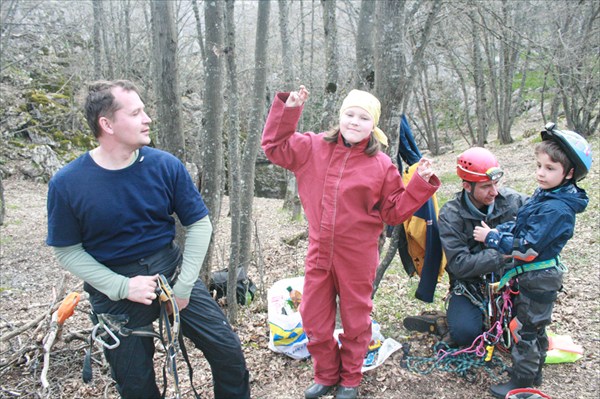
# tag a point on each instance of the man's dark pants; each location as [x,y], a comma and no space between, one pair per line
[202,321]
[465,320]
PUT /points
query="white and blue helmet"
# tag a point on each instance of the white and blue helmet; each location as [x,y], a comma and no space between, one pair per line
[578,150]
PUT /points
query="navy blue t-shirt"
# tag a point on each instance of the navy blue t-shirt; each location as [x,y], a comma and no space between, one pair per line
[121,215]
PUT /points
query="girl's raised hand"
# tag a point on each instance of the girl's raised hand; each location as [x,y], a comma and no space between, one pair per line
[297,98]
[424,169]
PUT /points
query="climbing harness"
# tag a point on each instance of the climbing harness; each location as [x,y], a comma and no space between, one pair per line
[527,267]
[473,292]
[110,329]
[465,361]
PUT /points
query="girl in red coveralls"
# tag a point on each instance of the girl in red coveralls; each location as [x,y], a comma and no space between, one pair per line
[348,189]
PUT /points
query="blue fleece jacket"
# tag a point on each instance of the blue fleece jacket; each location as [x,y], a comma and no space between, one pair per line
[543,225]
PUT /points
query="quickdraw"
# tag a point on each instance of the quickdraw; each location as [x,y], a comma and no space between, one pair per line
[164,292]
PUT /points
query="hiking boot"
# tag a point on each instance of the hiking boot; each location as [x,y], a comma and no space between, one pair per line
[346,392]
[433,322]
[500,390]
[538,379]
[317,390]
[447,339]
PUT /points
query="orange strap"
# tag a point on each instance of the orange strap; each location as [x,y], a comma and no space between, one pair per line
[67,307]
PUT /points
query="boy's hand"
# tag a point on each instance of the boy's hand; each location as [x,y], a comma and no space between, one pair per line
[424,169]
[481,232]
[297,98]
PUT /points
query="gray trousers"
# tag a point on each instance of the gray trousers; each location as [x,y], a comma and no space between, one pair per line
[534,305]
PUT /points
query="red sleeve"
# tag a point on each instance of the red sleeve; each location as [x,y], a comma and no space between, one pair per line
[401,202]
[281,143]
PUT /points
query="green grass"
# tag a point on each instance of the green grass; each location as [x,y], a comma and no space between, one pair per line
[451,183]
[395,300]
[533,81]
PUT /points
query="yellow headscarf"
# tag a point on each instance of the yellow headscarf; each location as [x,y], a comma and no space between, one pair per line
[368,102]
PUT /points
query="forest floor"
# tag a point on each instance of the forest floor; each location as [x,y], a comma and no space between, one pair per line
[31,282]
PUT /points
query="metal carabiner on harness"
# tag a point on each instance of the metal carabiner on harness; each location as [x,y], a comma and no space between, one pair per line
[99,339]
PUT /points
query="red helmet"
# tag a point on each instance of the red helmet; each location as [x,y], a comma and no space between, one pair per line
[477,165]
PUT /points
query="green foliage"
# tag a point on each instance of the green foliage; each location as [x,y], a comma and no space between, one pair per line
[533,81]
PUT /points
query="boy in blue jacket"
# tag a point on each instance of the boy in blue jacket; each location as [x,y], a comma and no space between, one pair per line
[542,228]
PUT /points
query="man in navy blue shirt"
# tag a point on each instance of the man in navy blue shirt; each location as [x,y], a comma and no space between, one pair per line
[110,222]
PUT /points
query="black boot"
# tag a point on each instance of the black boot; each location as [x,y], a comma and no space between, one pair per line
[317,390]
[346,392]
[432,321]
[500,390]
[537,381]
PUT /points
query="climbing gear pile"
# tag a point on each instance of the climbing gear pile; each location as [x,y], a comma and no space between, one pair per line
[109,329]
[465,362]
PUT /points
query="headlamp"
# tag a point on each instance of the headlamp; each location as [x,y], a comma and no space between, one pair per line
[493,173]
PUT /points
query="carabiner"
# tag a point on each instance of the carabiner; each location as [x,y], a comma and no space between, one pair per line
[97,338]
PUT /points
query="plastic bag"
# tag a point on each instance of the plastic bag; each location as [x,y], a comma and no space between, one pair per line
[562,349]
[380,348]
[286,334]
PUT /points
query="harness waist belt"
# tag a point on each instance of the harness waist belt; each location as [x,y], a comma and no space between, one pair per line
[528,267]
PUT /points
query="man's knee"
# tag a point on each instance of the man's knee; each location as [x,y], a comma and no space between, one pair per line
[465,333]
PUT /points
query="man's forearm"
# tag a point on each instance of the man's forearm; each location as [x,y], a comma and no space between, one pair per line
[75,259]
[197,239]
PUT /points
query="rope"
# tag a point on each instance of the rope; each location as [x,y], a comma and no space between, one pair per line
[466,362]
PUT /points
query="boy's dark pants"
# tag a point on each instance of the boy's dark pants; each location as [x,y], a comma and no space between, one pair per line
[534,305]
[202,321]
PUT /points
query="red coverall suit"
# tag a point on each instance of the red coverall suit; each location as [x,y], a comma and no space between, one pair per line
[347,196]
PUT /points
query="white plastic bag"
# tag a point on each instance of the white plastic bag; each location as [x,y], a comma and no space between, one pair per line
[286,334]
[380,348]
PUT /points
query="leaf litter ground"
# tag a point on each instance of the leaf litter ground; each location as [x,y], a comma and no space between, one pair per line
[30,281]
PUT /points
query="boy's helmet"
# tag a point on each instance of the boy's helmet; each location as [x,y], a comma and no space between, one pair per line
[477,165]
[575,147]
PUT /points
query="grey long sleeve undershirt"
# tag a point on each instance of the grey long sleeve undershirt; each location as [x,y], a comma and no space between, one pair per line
[76,260]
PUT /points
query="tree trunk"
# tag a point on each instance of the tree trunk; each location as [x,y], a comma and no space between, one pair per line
[329,116]
[390,64]
[479,82]
[110,71]
[199,29]
[291,201]
[166,81]
[212,159]
[233,160]
[2,205]
[365,45]
[253,140]
[397,76]
[127,29]
[96,39]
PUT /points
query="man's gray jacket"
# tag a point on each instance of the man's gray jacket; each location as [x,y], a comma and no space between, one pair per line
[468,259]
